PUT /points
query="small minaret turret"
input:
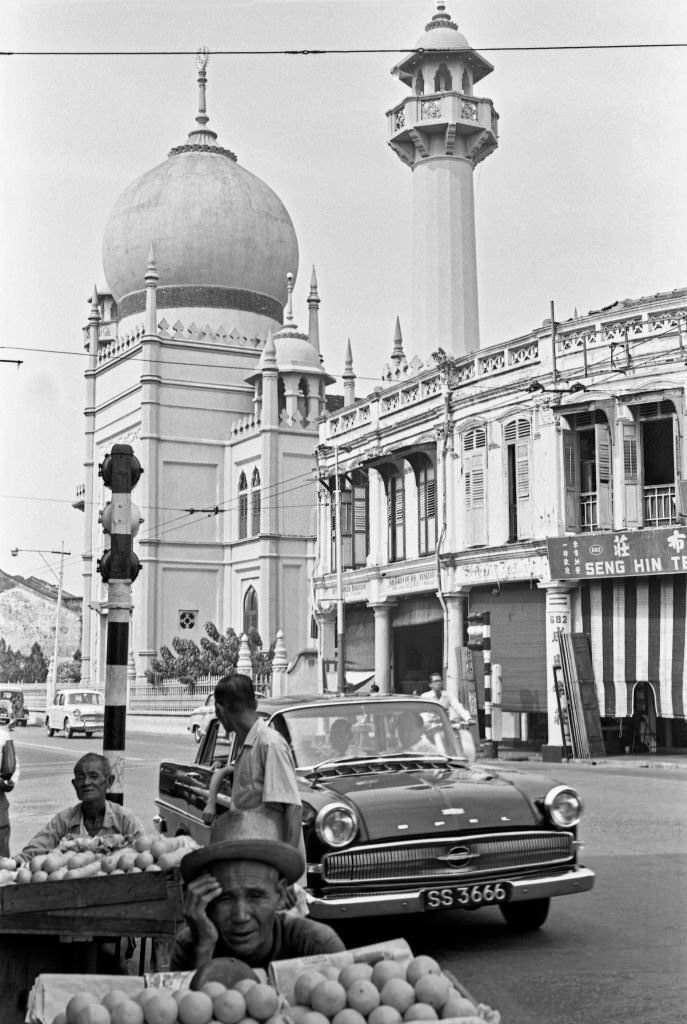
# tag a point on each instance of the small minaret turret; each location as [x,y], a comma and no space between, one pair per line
[270,384]
[314,317]
[398,357]
[442,131]
[349,376]
[151,279]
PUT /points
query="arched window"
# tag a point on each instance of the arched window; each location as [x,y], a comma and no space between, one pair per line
[467,86]
[281,396]
[243,507]
[255,503]
[442,80]
[250,611]
[419,84]
[113,310]
[302,399]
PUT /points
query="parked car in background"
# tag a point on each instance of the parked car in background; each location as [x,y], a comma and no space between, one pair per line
[200,718]
[396,818]
[12,708]
[75,710]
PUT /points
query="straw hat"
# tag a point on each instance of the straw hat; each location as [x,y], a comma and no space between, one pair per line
[245,835]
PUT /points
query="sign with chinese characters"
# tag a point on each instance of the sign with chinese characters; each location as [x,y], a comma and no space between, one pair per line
[625,553]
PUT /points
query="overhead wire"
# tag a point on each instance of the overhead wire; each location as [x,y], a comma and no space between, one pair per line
[349,51]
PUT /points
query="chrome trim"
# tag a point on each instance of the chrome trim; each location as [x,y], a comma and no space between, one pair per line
[576,880]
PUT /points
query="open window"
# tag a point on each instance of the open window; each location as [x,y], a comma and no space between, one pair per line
[587,472]
[517,437]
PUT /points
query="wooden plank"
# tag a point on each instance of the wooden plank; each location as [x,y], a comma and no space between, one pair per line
[130,921]
[71,894]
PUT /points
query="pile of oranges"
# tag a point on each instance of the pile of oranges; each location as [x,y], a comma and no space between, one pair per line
[386,993]
[248,1000]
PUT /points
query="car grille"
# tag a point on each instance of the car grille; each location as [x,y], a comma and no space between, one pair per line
[457,857]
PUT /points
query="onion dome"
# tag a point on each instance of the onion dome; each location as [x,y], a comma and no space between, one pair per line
[442,36]
[222,237]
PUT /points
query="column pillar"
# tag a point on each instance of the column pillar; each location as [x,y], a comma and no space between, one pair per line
[454,624]
[558,616]
[382,614]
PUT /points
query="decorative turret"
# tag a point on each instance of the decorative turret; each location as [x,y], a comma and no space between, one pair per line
[151,279]
[442,131]
[349,376]
[314,318]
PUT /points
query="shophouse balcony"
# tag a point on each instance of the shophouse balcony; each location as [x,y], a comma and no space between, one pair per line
[659,505]
[588,511]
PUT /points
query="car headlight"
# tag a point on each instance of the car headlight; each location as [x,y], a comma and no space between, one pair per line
[76,713]
[336,825]
[563,806]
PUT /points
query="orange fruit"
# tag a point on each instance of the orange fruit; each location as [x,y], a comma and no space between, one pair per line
[244,984]
[296,1011]
[457,1005]
[305,983]
[331,972]
[348,1016]
[161,1008]
[354,972]
[229,1007]
[213,988]
[195,1008]
[147,993]
[384,1015]
[276,1018]
[113,997]
[421,1011]
[399,993]
[433,989]
[77,1003]
[94,1013]
[328,998]
[420,966]
[261,1002]
[363,996]
[385,969]
[313,1017]
[128,1012]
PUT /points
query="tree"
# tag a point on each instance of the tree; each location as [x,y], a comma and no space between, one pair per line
[217,655]
[69,672]
[16,667]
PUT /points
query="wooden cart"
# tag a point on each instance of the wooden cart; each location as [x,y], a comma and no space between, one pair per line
[51,927]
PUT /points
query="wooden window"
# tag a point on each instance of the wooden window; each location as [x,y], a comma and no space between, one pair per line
[243,507]
[255,503]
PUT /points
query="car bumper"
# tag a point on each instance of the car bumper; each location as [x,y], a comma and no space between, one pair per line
[579,879]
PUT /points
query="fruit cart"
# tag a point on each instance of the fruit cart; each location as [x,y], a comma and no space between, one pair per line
[52,927]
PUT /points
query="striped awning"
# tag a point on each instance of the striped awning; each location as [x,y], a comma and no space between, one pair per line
[637,632]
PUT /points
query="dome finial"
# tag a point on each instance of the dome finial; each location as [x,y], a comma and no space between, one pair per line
[202,137]
[202,58]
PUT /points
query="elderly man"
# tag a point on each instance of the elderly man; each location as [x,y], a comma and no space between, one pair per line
[234,899]
[94,815]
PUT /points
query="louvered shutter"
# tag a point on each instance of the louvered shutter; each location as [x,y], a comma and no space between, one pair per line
[633,503]
[474,468]
[604,491]
[522,489]
[571,473]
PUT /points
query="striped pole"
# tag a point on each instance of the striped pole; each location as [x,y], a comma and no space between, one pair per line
[120,470]
[486,652]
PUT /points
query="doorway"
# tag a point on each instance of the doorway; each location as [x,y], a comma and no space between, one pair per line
[418,651]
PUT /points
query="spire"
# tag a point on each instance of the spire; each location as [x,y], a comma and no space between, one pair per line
[440,19]
[314,319]
[349,376]
[151,275]
[94,311]
[202,137]
[397,353]
[151,278]
[269,354]
[288,315]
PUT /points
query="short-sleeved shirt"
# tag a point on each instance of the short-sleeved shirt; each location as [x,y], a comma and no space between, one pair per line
[69,822]
[291,937]
[264,771]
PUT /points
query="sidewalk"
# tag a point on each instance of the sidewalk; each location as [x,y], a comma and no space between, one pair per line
[674,760]
[159,725]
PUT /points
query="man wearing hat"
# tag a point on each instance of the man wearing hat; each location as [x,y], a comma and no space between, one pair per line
[235,890]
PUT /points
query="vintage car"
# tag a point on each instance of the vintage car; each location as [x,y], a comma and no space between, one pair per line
[75,710]
[200,717]
[396,819]
[12,708]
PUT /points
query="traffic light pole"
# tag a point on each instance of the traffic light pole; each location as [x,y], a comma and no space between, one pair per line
[120,471]
[489,744]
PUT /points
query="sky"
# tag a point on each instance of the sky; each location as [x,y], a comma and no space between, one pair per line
[582,204]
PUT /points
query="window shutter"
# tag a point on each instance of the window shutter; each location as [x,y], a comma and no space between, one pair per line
[631,474]
[475,498]
[571,472]
[604,489]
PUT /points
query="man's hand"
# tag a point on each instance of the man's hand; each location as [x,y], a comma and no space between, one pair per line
[199,894]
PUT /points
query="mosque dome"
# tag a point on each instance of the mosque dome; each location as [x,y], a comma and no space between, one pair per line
[222,237]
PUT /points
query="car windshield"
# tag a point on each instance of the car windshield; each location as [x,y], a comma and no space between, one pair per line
[85,698]
[366,729]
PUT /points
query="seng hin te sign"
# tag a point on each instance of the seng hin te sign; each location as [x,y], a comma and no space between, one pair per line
[625,553]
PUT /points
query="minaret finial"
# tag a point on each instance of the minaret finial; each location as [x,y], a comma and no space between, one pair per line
[151,275]
[94,312]
[288,316]
[397,353]
[313,308]
[349,376]
[202,58]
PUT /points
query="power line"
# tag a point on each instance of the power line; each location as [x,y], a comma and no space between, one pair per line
[349,51]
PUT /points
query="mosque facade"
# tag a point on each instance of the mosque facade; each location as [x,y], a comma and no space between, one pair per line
[195,359]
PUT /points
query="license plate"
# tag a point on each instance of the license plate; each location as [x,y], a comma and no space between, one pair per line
[467,897]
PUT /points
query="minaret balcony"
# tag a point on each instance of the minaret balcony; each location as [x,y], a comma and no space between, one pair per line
[457,117]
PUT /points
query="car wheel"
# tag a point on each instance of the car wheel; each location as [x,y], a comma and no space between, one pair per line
[68,731]
[526,916]
[51,732]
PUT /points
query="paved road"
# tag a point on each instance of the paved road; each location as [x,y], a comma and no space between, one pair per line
[614,955]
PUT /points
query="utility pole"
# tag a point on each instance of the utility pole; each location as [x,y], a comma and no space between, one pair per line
[338,543]
[52,683]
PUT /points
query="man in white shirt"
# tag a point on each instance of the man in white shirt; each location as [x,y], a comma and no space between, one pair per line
[456,712]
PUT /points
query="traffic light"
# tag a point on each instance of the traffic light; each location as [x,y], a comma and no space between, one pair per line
[479,631]
[120,518]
